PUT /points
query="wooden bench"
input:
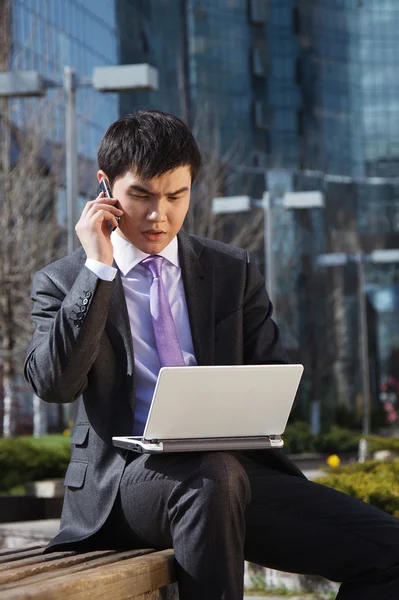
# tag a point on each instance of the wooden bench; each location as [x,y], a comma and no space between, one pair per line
[146,574]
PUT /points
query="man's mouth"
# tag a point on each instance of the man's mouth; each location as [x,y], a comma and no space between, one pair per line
[153,234]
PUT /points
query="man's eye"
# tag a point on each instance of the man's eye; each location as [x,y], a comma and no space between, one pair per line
[140,196]
[173,197]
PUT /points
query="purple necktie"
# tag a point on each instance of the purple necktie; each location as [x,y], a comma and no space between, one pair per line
[168,345]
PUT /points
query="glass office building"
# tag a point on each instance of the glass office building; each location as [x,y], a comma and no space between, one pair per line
[349,75]
[284,99]
[46,36]
[349,125]
[212,60]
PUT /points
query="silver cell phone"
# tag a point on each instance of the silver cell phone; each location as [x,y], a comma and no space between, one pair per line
[105,187]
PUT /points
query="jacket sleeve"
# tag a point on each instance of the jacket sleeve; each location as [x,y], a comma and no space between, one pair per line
[68,329]
[262,343]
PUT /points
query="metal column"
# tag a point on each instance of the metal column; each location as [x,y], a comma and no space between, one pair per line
[364,350]
[71,152]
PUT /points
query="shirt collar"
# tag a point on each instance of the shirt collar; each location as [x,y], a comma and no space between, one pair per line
[127,256]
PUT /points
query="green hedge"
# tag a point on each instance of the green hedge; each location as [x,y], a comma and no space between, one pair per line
[24,459]
[298,439]
[374,482]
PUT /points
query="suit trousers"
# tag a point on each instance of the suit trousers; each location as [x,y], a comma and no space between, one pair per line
[218,508]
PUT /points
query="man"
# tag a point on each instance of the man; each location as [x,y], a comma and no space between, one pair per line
[107,317]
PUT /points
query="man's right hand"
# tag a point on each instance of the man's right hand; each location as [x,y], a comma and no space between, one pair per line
[94,231]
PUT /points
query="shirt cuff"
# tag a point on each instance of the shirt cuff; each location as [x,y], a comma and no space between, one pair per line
[102,271]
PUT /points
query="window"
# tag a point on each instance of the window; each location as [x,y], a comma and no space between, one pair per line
[260,115]
[257,11]
[258,62]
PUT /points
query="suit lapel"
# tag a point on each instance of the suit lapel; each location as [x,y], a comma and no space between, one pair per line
[198,281]
[118,325]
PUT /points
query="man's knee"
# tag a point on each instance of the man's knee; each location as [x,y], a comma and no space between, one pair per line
[222,476]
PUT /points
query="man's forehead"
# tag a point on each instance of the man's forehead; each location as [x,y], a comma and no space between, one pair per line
[179,175]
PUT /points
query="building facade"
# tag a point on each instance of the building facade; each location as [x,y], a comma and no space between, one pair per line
[212,60]
[46,36]
[348,122]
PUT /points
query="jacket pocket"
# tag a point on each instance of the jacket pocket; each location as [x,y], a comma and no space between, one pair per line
[76,474]
[80,434]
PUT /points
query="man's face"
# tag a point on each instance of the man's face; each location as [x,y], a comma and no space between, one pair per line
[153,210]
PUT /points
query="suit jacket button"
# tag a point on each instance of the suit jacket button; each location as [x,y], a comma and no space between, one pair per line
[78,323]
[85,301]
[80,316]
[88,294]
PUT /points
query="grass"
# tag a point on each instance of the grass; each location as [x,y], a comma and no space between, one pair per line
[48,441]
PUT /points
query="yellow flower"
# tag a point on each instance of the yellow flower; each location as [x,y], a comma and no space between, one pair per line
[333,461]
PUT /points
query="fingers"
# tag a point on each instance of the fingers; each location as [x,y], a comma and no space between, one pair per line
[100,200]
[101,208]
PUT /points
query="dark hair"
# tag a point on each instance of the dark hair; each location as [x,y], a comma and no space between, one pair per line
[151,143]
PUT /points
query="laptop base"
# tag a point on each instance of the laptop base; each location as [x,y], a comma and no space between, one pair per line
[138,444]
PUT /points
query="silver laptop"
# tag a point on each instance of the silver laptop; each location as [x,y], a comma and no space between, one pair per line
[217,408]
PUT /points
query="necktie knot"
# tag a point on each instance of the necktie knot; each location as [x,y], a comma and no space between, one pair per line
[154,264]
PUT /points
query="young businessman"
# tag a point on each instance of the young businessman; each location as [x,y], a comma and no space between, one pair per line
[107,317]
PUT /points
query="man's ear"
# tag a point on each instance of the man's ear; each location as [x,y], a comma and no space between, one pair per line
[101,175]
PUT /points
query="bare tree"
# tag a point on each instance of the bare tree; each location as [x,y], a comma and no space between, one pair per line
[30,236]
[216,176]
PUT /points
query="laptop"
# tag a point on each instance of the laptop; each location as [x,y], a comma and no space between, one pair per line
[242,407]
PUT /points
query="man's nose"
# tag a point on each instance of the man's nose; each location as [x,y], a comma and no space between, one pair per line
[156,213]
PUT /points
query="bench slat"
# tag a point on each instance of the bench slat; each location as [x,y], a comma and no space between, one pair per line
[47,562]
[45,570]
[15,556]
[123,580]
[10,551]
[30,559]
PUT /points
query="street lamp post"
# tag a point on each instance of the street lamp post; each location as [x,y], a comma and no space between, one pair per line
[289,201]
[115,78]
[268,246]
[119,78]
[364,345]
[71,153]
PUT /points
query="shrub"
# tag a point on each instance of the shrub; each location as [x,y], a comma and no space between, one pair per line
[383,443]
[337,440]
[298,438]
[25,459]
[374,482]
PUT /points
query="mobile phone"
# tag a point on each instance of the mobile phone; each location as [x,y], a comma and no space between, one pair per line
[105,187]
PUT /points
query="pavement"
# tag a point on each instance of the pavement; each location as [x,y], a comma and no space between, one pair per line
[27,533]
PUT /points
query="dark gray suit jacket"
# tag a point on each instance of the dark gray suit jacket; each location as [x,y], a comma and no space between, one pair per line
[82,346]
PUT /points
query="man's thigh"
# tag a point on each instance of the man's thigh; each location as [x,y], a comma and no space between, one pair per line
[299,526]
[157,491]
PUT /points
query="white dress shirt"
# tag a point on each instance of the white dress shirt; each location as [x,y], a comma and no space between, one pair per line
[136,280]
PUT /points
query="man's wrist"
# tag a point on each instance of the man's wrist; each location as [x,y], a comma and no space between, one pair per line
[102,270]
